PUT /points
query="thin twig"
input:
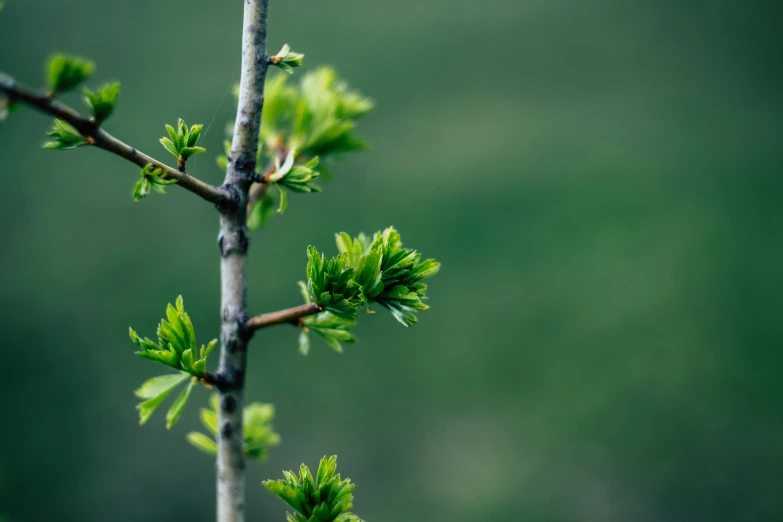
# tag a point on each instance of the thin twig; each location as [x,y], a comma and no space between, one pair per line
[290,315]
[103,140]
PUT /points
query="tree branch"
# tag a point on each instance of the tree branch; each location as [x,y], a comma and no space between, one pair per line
[103,140]
[233,241]
[290,315]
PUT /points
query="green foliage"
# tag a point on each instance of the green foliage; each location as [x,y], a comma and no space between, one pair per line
[261,211]
[102,101]
[296,178]
[389,273]
[222,160]
[182,141]
[309,123]
[259,434]
[379,271]
[287,60]
[329,327]
[155,391]
[331,285]
[152,178]
[367,270]
[176,346]
[323,498]
[319,117]
[67,72]
[65,137]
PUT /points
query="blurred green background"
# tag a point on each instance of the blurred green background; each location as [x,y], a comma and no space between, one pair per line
[601,180]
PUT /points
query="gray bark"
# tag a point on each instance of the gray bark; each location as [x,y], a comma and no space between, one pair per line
[233,242]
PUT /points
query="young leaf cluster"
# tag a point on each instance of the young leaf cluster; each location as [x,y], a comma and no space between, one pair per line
[367,271]
[67,72]
[331,285]
[151,179]
[286,59]
[296,178]
[102,101]
[389,273]
[318,118]
[325,498]
[155,391]
[315,118]
[182,141]
[176,346]
[65,137]
[329,327]
[258,431]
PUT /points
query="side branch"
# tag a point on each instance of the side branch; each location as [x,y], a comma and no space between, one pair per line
[291,315]
[103,140]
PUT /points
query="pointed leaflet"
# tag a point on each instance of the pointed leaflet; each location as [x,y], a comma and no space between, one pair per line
[147,408]
[172,416]
[209,418]
[157,385]
[304,343]
[66,72]
[202,442]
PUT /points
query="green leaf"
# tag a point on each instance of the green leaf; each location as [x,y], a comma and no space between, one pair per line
[209,418]
[177,340]
[259,435]
[332,329]
[304,343]
[157,385]
[325,499]
[147,408]
[169,146]
[287,60]
[194,134]
[172,135]
[172,416]
[181,142]
[141,189]
[187,152]
[66,72]
[65,137]
[283,199]
[202,442]
[152,178]
[102,101]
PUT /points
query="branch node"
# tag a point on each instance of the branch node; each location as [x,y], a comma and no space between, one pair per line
[231,198]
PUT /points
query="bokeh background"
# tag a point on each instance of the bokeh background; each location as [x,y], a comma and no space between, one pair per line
[601,180]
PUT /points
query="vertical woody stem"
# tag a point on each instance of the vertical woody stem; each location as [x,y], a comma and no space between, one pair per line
[233,242]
